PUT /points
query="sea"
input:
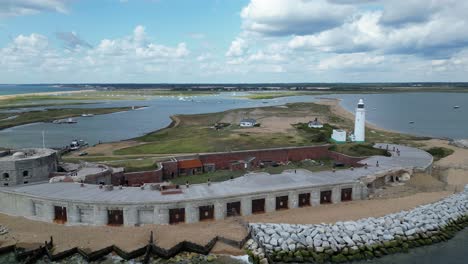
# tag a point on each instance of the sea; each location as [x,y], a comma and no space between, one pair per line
[10,89]
[424,114]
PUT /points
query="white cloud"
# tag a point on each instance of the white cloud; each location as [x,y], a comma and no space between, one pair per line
[138,46]
[238,48]
[286,17]
[28,7]
[441,35]
[351,60]
[111,58]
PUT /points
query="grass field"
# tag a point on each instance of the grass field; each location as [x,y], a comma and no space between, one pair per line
[273,95]
[53,114]
[440,152]
[194,133]
[99,95]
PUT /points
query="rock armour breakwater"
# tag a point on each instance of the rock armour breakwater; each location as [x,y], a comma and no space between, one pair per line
[361,239]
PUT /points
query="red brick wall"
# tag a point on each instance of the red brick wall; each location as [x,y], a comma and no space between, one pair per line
[143,177]
[169,169]
[223,161]
[135,178]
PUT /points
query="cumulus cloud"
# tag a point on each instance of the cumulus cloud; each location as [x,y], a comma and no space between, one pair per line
[442,34]
[28,7]
[131,55]
[139,46]
[298,17]
[238,48]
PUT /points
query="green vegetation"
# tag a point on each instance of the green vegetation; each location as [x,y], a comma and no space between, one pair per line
[316,134]
[359,150]
[32,104]
[133,165]
[5,115]
[142,94]
[53,114]
[273,95]
[194,133]
[440,152]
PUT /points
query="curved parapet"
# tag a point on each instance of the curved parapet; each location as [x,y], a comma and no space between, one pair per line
[252,193]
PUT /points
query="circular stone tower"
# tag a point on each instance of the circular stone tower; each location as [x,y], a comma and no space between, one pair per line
[360,122]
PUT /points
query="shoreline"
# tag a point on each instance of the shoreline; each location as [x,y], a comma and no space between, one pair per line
[12,96]
[337,109]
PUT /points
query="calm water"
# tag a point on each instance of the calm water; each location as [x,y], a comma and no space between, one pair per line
[433,113]
[7,89]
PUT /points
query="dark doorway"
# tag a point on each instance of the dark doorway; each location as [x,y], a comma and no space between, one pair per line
[282,202]
[176,216]
[346,194]
[258,206]
[233,209]
[325,197]
[304,199]
[115,217]
[206,212]
[60,214]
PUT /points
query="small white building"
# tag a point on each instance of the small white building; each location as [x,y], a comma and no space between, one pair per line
[248,122]
[315,124]
[339,136]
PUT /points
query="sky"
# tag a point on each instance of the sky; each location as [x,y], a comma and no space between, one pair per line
[233,41]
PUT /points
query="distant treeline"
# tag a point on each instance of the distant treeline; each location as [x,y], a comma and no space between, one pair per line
[276,86]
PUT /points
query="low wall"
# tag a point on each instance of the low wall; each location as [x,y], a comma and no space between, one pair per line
[134,178]
[365,238]
[223,160]
[137,178]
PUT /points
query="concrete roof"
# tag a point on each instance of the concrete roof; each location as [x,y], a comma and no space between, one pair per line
[31,153]
[249,184]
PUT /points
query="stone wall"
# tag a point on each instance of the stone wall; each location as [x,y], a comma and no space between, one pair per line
[362,239]
[28,170]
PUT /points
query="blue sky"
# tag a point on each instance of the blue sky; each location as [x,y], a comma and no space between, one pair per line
[51,41]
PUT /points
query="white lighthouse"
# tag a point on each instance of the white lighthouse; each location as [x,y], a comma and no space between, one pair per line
[360,123]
